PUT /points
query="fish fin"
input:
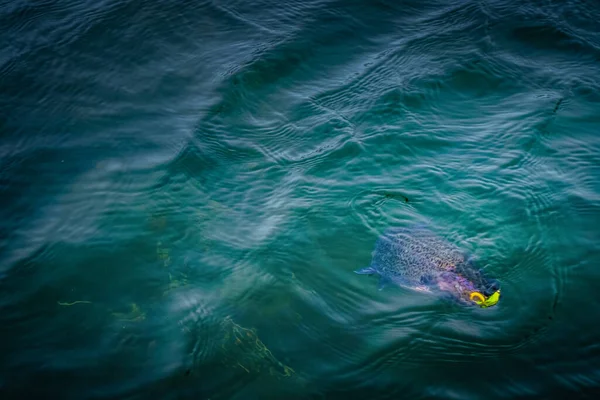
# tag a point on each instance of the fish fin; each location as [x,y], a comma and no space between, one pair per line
[366,271]
[383,282]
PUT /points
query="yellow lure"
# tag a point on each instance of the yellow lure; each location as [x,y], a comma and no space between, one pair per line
[481,300]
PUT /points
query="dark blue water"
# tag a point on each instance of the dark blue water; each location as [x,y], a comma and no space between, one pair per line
[187,187]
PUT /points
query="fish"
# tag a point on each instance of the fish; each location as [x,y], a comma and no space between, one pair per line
[419,259]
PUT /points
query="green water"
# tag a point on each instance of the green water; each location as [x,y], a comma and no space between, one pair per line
[188,188]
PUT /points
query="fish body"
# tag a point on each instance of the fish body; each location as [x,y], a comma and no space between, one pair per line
[419,259]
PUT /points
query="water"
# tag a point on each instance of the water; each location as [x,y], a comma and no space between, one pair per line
[187,188]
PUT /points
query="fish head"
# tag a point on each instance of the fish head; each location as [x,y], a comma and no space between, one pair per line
[486,288]
[486,292]
[470,291]
[491,287]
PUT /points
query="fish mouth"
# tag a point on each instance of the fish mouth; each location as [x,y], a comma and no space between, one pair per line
[488,296]
[484,301]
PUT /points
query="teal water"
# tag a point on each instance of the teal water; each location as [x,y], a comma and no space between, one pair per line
[187,188]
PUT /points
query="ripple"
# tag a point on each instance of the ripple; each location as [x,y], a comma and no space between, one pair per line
[370,207]
[231,161]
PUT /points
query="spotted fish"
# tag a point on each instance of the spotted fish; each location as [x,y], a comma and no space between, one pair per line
[419,259]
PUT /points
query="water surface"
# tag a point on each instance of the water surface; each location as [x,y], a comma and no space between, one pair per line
[187,188]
